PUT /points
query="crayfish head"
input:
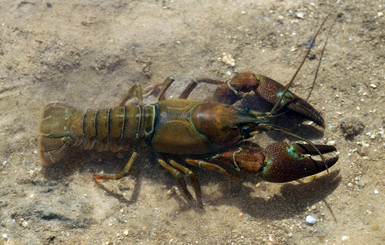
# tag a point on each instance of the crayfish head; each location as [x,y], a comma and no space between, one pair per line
[223,125]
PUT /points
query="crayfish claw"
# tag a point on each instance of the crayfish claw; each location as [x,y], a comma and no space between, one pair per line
[309,149]
[272,91]
[305,109]
[286,162]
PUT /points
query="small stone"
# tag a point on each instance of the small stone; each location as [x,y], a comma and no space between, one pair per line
[310,220]
[228,59]
[373,137]
[24,223]
[300,15]
[344,238]
[363,148]
[314,207]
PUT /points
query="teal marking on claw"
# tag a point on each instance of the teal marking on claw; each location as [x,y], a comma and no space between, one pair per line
[266,168]
[287,95]
[293,153]
[268,162]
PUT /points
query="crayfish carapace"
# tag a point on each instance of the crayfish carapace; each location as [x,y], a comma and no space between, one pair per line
[206,133]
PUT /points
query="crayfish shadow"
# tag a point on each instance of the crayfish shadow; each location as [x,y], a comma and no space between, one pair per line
[64,168]
[81,160]
[95,162]
[293,198]
[290,120]
[92,161]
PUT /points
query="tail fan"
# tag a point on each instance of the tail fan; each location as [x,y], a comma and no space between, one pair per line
[55,132]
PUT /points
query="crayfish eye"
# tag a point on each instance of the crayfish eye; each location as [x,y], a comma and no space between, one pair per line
[245,131]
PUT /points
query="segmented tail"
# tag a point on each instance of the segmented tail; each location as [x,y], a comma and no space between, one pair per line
[55,131]
[109,129]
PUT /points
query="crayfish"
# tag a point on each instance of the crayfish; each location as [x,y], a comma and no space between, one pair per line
[207,134]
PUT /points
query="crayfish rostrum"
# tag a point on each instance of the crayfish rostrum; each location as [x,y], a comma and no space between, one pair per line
[207,134]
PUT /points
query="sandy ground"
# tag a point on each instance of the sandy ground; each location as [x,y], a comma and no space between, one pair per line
[88,54]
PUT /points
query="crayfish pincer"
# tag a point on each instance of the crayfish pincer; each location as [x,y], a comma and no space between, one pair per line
[206,134]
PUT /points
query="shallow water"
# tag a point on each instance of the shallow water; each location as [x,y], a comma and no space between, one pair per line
[89,53]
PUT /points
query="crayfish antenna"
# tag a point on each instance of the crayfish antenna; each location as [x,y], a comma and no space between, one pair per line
[284,93]
[320,59]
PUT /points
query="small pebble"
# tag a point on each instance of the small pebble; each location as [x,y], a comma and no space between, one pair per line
[376,192]
[314,207]
[310,220]
[344,238]
[24,223]
[373,136]
[228,59]
[300,15]
[363,148]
